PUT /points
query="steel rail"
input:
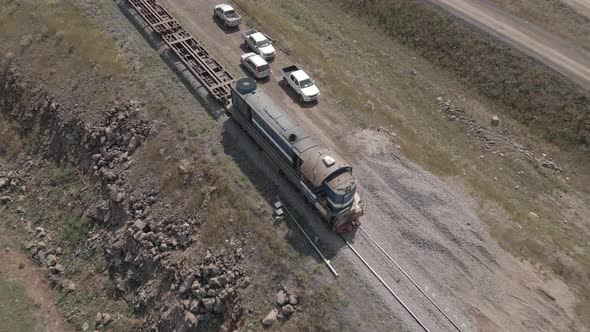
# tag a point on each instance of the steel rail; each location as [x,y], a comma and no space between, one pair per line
[412,280]
[327,261]
[386,285]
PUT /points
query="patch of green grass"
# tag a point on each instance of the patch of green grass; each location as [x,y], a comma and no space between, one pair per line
[17,311]
[75,229]
[63,174]
[33,141]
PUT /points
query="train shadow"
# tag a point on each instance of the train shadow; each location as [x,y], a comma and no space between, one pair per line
[266,178]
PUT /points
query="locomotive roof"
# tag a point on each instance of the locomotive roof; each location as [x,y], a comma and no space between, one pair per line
[315,166]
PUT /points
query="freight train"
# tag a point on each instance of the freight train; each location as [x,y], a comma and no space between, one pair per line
[323,176]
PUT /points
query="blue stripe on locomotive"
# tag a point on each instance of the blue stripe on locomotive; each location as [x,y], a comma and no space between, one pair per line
[263,127]
[336,201]
[273,136]
[308,193]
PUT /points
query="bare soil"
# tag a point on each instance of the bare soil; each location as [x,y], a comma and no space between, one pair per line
[16,268]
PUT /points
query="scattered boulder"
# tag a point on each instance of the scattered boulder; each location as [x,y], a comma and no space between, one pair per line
[495,121]
[139,224]
[293,299]
[106,319]
[217,282]
[282,297]
[288,310]
[184,166]
[190,320]
[50,260]
[71,287]
[208,304]
[5,200]
[194,306]
[271,318]
[133,144]
[195,286]
[186,284]
[219,306]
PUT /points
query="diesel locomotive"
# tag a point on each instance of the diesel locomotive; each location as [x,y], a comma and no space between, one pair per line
[323,176]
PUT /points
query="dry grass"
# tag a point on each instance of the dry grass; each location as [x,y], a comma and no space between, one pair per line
[53,42]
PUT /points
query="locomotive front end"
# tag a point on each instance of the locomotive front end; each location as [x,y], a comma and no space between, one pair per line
[344,201]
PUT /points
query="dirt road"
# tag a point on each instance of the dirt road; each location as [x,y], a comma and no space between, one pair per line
[430,227]
[554,51]
[582,6]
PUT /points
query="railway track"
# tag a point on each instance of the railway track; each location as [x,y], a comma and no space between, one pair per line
[438,308]
[407,276]
[398,298]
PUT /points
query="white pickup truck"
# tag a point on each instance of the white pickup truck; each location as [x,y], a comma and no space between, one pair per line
[301,83]
[227,15]
[259,43]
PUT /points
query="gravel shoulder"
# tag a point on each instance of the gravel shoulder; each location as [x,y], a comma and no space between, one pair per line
[426,223]
[554,51]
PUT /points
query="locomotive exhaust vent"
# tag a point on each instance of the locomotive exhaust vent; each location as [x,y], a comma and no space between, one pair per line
[328,161]
[246,85]
[292,137]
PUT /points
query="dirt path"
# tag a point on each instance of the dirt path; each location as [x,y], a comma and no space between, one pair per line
[554,51]
[17,268]
[582,6]
[430,227]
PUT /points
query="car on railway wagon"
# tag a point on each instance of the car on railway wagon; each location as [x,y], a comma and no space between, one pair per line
[323,176]
[228,15]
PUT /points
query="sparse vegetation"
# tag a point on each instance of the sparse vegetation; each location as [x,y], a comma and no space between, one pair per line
[16,309]
[535,95]
[75,229]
